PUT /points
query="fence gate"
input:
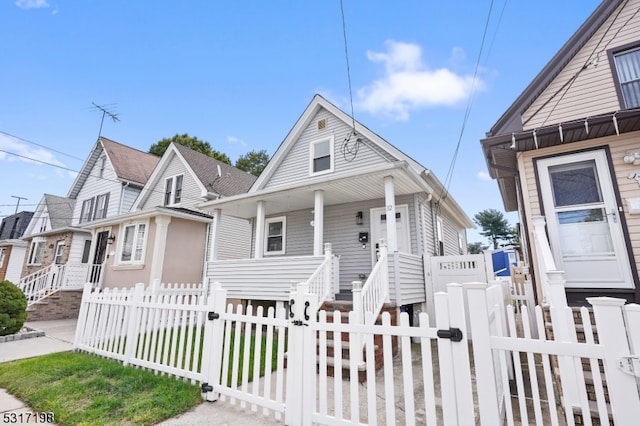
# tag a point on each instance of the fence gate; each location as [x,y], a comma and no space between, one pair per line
[429,382]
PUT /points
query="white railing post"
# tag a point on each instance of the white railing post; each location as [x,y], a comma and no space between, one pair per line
[329,284]
[213,342]
[133,323]
[384,269]
[544,257]
[355,354]
[623,388]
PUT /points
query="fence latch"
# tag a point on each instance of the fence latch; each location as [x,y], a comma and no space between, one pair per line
[630,364]
[455,334]
[206,387]
[213,316]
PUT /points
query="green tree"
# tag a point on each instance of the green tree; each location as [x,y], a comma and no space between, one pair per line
[189,141]
[13,308]
[476,248]
[494,226]
[253,162]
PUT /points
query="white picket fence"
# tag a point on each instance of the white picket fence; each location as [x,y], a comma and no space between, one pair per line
[428,382]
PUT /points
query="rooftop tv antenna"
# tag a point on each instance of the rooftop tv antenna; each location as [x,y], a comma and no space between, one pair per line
[105,112]
[18,203]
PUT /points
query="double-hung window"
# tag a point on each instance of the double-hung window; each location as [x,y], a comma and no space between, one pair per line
[321,156]
[2,250]
[173,190]
[133,243]
[94,208]
[275,237]
[86,214]
[627,68]
[102,203]
[36,251]
[59,252]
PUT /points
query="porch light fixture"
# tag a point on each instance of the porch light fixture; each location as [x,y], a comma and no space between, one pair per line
[632,158]
[359,218]
[111,239]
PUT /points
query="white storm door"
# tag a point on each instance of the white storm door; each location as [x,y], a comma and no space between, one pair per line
[379,229]
[583,221]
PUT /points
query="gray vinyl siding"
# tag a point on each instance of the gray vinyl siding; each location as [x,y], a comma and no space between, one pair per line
[410,276]
[451,232]
[191,194]
[341,231]
[234,238]
[129,196]
[295,165]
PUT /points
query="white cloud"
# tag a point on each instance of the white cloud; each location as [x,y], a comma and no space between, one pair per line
[236,141]
[409,84]
[483,176]
[24,152]
[32,4]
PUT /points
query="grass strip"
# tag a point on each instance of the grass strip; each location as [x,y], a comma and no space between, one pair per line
[84,389]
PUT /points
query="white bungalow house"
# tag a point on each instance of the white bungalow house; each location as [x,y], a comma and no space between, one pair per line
[566,156]
[164,236]
[322,206]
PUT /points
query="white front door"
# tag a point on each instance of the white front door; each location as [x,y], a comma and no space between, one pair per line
[583,220]
[379,229]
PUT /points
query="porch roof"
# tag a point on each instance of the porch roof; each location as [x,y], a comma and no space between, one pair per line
[341,188]
[181,213]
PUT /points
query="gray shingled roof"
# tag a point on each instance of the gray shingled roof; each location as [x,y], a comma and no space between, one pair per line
[232,181]
[130,164]
[60,210]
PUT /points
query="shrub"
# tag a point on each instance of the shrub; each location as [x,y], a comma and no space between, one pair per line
[13,308]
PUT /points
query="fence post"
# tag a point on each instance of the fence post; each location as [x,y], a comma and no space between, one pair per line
[82,316]
[482,354]
[213,347]
[295,355]
[358,311]
[309,361]
[460,355]
[623,389]
[133,323]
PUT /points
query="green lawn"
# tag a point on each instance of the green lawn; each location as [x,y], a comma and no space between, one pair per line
[83,389]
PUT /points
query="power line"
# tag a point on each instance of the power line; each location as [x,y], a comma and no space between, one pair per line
[41,146]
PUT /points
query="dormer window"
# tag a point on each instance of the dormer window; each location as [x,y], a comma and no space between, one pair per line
[321,156]
[627,75]
[173,190]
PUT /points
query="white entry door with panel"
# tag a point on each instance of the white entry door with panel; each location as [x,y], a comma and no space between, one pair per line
[379,229]
[583,220]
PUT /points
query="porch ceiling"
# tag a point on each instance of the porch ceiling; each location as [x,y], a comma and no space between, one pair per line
[346,189]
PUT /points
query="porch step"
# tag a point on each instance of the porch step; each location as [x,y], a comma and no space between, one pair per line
[344,295]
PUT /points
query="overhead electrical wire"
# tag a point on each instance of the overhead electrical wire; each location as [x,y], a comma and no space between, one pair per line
[349,153]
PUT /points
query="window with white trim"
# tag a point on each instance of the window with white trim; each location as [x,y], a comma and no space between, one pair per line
[2,254]
[86,214]
[275,235]
[440,236]
[59,251]
[321,156]
[43,222]
[133,239]
[627,67]
[102,203]
[94,208]
[173,190]
[35,252]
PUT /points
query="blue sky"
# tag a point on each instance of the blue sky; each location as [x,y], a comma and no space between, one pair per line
[239,74]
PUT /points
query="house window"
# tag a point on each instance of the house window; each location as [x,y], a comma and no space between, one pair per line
[35,252]
[461,243]
[276,235]
[102,203]
[86,213]
[43,222]
[173,190]
[627,66]
[103,160]
[133,243]
[85,251]
[2,254]
[59,251]
[321,156]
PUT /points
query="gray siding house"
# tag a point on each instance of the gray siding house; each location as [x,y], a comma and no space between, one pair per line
[331,182]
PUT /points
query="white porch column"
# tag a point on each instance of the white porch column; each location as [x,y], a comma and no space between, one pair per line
[159,245]
[318,222]
[259,230]
[214,235]
[390,203]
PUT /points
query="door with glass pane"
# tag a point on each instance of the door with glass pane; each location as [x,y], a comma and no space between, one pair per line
[583,221]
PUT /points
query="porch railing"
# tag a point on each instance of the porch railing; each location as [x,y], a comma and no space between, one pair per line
[47,281]
[321,281]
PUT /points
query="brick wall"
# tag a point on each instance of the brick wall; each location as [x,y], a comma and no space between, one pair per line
[61,305]
[48,253]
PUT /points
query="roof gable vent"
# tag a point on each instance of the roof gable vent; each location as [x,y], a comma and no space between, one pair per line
[321,124]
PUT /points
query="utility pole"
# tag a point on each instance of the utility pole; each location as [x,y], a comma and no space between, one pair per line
[18,203]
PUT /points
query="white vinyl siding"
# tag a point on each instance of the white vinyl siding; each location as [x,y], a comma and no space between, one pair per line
[593,92]
[129,195]
[77,247]
[190,194]
[234,240]
[295,166]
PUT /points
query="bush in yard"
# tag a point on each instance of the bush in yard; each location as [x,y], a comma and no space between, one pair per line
[13,308]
